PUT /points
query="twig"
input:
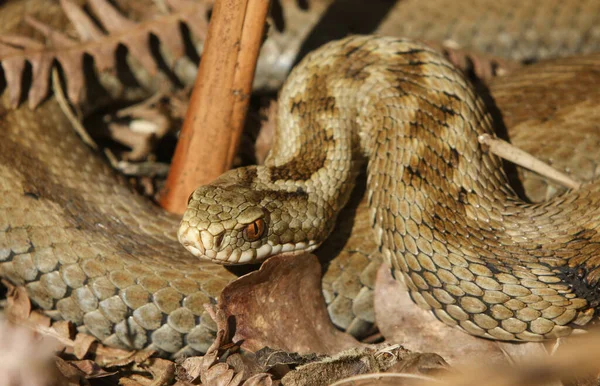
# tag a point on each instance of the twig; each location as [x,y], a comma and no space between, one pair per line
[513,154]
[59,94]
[219,102]
[375,377]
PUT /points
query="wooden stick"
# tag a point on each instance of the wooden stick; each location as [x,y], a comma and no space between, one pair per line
[514,154]
[215,118]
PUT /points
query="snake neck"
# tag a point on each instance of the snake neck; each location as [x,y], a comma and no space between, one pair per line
[377,99]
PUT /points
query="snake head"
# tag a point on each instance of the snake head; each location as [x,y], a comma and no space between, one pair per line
[229,222]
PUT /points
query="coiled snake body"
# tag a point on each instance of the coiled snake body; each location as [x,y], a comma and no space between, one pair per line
[89,251]
[442,211]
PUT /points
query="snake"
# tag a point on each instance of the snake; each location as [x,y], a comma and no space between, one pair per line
[90,251]
[442,212]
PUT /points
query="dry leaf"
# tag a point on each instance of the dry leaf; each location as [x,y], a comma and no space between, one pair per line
[64,329]
[137,357]
[223,364]
[18,306]
[135,380]
[83,343]
[281,306]
[15,51]
[73,375]
[91,369]
[162,370]
[193,368]
[221,375]
[259,380]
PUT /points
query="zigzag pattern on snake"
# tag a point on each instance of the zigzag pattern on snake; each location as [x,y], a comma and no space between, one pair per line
[443,213]
[89,251]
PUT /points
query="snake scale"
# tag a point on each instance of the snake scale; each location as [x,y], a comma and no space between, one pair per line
[90,251]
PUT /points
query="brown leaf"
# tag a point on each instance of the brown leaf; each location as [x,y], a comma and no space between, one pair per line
[69,59]
[221,375]
[183,383]
[162,370]
[83,343]
[91,369]
[73,374]
[16,50]
[138,44]
[402,321]
[192,15]
[259,380]
[64,329]
[211,369]
[110,17]
[106,354]
[38,319]
[222,337]
[281,306]
[137,357]
[18,305]
[135,380]
[13,71]
[21,42]
[193,367]
[84,25]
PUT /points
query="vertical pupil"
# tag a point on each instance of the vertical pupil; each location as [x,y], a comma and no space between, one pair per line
[255,228]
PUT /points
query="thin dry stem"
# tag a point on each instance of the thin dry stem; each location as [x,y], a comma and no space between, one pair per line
[61,98]
[513,154]
[379,376]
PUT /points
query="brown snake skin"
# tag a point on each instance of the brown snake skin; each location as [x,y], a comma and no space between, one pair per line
[443,214]
[90,251]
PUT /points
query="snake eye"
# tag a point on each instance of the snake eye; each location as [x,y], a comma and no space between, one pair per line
[255,230]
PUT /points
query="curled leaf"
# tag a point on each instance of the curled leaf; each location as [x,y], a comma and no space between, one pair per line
[281,306]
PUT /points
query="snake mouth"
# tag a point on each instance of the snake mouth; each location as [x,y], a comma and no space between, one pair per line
[216,248]
[192,240]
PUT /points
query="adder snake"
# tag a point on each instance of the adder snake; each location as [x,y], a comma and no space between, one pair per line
[442,211]
[89,251]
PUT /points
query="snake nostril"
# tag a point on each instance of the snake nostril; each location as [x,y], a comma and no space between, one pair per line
[219,240]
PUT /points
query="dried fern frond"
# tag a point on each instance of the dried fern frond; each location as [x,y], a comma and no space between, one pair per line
[99,39]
